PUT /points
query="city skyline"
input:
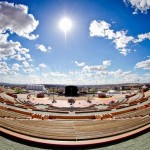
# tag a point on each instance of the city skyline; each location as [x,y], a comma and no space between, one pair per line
[106,44]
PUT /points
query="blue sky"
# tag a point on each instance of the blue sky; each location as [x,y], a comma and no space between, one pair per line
[108,43]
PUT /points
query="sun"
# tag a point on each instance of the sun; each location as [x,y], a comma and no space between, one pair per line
[65,24]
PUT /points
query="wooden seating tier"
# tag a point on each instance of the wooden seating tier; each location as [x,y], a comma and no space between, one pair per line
[12,113]
[134,113]
[73,130]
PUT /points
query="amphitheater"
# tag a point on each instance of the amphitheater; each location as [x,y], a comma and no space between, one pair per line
[36,123]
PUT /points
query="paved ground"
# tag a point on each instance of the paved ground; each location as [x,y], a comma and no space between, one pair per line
[138,142]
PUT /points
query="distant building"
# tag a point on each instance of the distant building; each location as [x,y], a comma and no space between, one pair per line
[35,87]
[125,88]
[71,90]
[113,92]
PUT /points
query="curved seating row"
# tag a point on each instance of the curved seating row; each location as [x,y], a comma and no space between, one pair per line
[135,99]
[2,100]
[128,103]
[13,113]
[134,112]
[73,130]
[8,97]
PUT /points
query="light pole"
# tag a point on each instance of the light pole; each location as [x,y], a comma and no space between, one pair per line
[53,95]
[96,86]
[88,94]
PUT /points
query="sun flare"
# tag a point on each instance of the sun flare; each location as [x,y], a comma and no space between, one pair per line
[65,24]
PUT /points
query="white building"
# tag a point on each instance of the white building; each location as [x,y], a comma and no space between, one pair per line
[112,92]
[35,87]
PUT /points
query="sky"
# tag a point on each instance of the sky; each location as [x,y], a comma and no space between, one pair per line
[108,42]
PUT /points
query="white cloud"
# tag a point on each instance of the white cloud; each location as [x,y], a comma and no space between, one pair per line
[16,66]
[42,48]
[147,74]
[98,29]
[18,57]
[102,67]
[4,69]
[45,75]
[125,51]
[16,19]
[107,62]
[84,77]
[12,73]
[120,38]
[26,64]
[3,37]
[23,51]
[142,37]
[3,65]
[58,75]
[119,73]
[49,48]
[142,5]
[143,65]
[28,70]
[102,29]
[42,65]
[8,48]
[37,68]
[13,50]
[94,68]
[27,56]
[80,64]
[146,77]
[76,77]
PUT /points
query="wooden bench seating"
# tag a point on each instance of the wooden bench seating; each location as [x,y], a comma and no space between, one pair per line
[135,98]
[90,108]
[136,113]
[9,98]
[92,111]
[141,100]
[132,102]
[147,94]
[19,111]
[110,128]
[12,114]
[1,99]
[74,127]
[8,102]
[52,111]
[73,130]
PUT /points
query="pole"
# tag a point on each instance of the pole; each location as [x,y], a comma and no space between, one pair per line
[88,94]
[53,95]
